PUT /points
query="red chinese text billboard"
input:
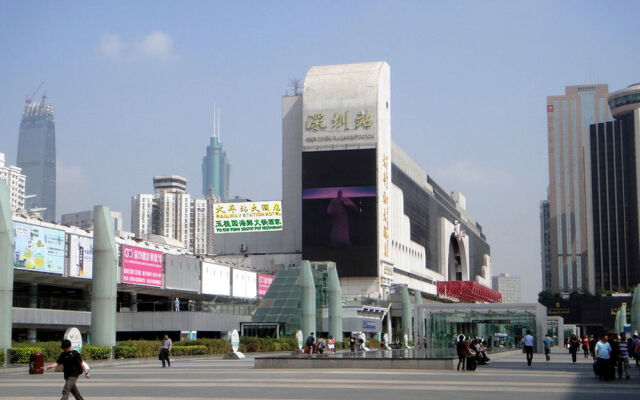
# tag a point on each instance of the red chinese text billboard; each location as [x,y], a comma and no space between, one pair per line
[264,282]
[142,266]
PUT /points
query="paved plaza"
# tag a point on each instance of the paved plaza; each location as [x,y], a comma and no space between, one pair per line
[507,377]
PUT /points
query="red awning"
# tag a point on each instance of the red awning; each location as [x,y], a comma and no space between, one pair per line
[468,292]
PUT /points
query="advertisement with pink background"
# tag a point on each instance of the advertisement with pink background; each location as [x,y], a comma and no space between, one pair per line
[142,266]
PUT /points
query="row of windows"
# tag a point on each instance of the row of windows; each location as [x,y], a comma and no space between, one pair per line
[624,100]
[406,249]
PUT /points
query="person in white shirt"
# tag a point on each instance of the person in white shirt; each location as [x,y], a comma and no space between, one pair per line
[528,347]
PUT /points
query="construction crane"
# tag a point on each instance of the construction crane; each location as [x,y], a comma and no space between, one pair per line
[28,98]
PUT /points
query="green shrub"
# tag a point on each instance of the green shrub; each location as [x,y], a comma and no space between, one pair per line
[188,350]
[143,348]
[126,351]
[214,346]
[90,352]
[21,354]
[1,356]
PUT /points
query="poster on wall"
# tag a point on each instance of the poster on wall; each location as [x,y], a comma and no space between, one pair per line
[39,249]
[264,283]
[142,266]
[244,284]
[216,279]
[80,256]
[339,210]
[250,216]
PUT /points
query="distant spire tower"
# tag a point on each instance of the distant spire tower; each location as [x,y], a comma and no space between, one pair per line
[215,164]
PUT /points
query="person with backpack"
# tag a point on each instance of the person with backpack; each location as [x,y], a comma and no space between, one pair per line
[310,342]
[73,366]
[547,341]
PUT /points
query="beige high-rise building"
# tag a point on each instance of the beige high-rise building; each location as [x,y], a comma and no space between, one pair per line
[568,120]
[16,183]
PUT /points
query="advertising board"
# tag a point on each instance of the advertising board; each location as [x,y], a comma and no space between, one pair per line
[142,266]
[80,256]
[264,282]
[39,249]
[244,284]
[251,216]
[339,210]
[216,279]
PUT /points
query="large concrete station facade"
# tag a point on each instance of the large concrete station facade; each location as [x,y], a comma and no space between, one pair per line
[350,196]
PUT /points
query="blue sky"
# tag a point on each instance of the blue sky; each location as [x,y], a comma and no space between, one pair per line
[133,85]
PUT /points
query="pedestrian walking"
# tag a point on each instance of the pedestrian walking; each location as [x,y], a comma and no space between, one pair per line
[528,347]
[585,346]
[461,350]
[332,345]
[73,366]
[602,366]
[165,350]
[623,356]
[547,341]
[635,348]
[310,342]
[352,343]
[574,345]
[592,347]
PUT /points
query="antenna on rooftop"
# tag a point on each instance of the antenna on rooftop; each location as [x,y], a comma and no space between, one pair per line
[29,97]
[296,85]
[216,121]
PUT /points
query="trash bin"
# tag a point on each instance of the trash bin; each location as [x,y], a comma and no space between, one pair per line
[36,363]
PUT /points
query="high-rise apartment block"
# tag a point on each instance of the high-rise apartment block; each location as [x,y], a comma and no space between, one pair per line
[216,168]
[37,156]
[15,181]
[508,286]
[568,119]
[612,160]
[170,212]
[545,245]
[84,220]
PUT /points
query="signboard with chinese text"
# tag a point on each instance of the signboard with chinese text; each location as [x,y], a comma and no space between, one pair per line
[339,128]
[264,282]
[250,216]
[80,256]
[216,279]
[142,266]
[39,249]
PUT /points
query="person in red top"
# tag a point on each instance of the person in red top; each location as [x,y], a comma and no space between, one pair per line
[585,346]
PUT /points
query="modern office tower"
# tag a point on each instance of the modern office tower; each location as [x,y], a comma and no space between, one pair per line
[215,166]
[142,214]
[568,120]
[172,213]
[84,220]
[198,234]
[15,181]
[37,156]
[612,157]
[545,245]
[508,286]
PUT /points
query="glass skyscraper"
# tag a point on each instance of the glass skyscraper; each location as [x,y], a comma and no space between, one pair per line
[215,169]
[37,157]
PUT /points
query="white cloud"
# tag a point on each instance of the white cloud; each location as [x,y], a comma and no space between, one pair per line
[111,46]
[156,45]
[465,173]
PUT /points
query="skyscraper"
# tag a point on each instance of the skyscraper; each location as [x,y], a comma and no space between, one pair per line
[545,246]
[612,159]
[215,166]
[37,156]
[568,120]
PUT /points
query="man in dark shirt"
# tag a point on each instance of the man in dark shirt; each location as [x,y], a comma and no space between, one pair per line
[71,361]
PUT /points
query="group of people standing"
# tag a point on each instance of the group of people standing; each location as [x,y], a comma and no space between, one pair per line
[470,353]
[613,352]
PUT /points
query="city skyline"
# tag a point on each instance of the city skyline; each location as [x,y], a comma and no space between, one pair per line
[133,95]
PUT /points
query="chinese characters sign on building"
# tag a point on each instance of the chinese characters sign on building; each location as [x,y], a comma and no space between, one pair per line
[339,128]
[264,282]
[142,266]
[251,216]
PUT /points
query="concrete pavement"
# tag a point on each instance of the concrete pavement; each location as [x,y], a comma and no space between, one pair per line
[508,377]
